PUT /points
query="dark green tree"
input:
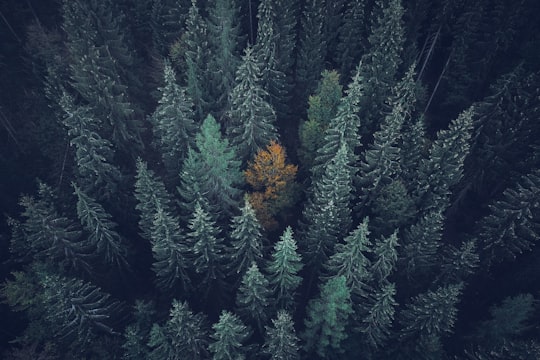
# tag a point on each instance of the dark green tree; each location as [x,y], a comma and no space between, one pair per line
[137,334]
[252,117]
[413,143]
[377,322]
[185,335]
[283,270]
[228,338]
[208,251]
[253,298]
[167,20]
[170,252]
[225,40]
[173,123]
[393,208]
[327,319]
[98,176]
[246,240]
[513,224]
[459,263]
[426,319]
[101,229]
[385,257]
[151,195]
[311,50]
[281,342]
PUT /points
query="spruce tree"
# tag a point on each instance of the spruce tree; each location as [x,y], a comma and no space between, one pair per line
[283,270]
[136,334]
[246,240]
[228,338]
[459,263]
[377,322]
[167,20]
[252,117]
[281,342]
[170,252]
[98,224]
[173,123]
[327,318]
[253,298]
[98,176]
[385,257]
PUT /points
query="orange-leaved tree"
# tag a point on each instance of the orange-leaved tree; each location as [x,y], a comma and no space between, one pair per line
[273,181]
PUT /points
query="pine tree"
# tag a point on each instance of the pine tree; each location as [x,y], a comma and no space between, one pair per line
[151,195]
[173,123]
[385,252]
[185,335]
[246,240]
[311,49]
[377,323]
[225,40]
[97,174]
[196,56]
[253,298]
[427,318]
[512,226]
[252,117]
[101,229]
[170,253]
[208,251]
[327,318]
[283,270]
[281,342]
[327,214]
[228,338]
[76,311]
[349,260]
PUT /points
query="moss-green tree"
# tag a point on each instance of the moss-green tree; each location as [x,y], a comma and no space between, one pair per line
[253,298]
[228,338]
[281,342]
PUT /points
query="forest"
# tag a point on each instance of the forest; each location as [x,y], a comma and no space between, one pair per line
[269,179]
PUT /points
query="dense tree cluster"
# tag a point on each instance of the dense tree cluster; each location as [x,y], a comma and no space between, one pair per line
[270,179]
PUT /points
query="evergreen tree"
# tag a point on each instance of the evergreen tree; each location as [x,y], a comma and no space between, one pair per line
[349,260]
[253,297]
[228,337]
[185,335]
[459,263]
[377,323]
[281,342]
[385,251]
[414,143]
[137,334]
[327,318]
[322,108]
[393,207]
[252,117]
[167,20]
[173,123]
[512,226]
[444,167]
[246,240]
[283,270]
[151,195]
[225,40]
[208,251]
[101,229]
[98,176]
[76,311]
[427,318]
[327,214]
[311,49]
[170,252]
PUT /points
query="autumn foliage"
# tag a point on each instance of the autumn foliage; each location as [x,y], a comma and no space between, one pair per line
[273,182]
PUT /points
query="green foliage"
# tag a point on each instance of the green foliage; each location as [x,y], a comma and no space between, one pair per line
[184,336]
[459,263]
[167,20]
[252,117]
[377,323]
[172,123]
[137,334]
[228,338]
[283,270]
[281,342]
[253,297]
[392,208]
[246,240]
[97,173]
[327,318]
[101,229]
[385,253]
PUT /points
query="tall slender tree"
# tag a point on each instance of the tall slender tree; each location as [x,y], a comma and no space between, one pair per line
[228,337]
[253,298]
[281,342]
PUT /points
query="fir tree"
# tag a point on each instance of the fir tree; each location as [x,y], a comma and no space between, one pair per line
[281,342]
[137,334]
[377,323]
[170,252]
[228,338]
[172,123]
[459,263]
[253,297]
[97,174]
[252,117]
[101,229]
[167,20]
[413,143]
[327,318]
[246,240]
[283,270]
[385,253]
